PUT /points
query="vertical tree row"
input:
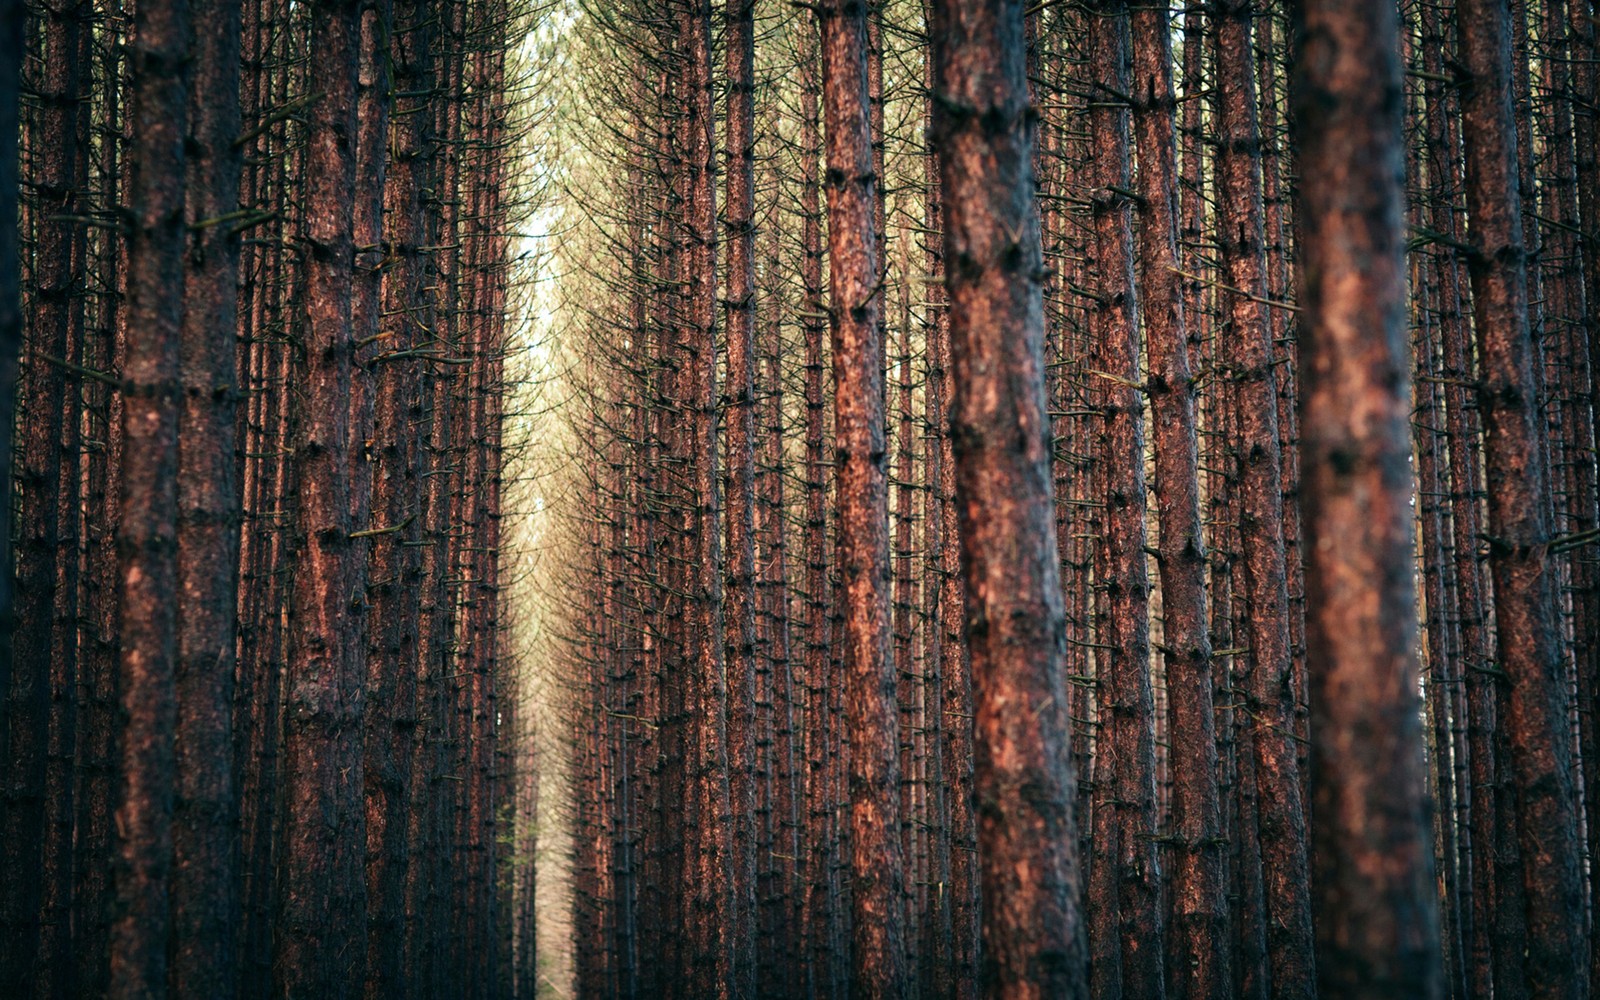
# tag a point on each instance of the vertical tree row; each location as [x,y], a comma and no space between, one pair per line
[256,289]
[1184,233]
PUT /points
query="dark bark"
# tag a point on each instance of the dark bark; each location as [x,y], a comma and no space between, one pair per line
[394,569]
[1126,929]
[1023,783]
[1377,922]
[43,670]
[1200,966]
[1536,716]
[714,915]
[1267,667]
[205,878]
[740,419]
[855,320]
[12,20]
[319,949]
[947,973]
[146,537]
[822,916]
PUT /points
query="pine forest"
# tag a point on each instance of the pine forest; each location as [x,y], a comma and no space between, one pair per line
[799,499]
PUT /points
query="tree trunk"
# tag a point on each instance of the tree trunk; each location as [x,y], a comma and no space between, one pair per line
[855,311]
[741,606]
[394,567]
[146,538]
[821,914]
[320,950]
[1377,923]
[1268,664]
[1125,880]
[1200,966]
[43,669]
[1023,782]
[205,882]
[1536,718]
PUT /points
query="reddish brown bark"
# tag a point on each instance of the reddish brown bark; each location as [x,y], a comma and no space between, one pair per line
[740,304]
[948,972]
[948,623]
[821,915]
[394,570]
[1267,667]
[1377,923]
[855,323]
[146,537]
[715,921]
[1492,923]
[1023,783]
[1536,712]
[318,948]
[1200,964]
[205,879]
[1126,929]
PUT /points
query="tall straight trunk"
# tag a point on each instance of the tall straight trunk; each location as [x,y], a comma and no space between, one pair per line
[740,655]
[42,683]
[783,972]
[1450,845]
[12,20]
[66,494]
[320,949]
[1586,169]
[909,688]
[1491,926]
[146,538]
[394,568]
[205,882]
[666,432]
[1279,229]
[1536,718]
[479,597]
[1441,621]
[95,795]
[877,876]
[821,915]
[1124,883]
[1377,926]
[954,725]
[1032,927]
[1268,664]
[1200,966]
[1567,310]
[718,922]
[948,973]
[258,703]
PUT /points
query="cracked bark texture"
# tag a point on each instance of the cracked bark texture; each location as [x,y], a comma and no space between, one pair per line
[1033,930]
[146,537]
[1265,670]
[319,951]
[1516,468]
[861,459]
[1199,947]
